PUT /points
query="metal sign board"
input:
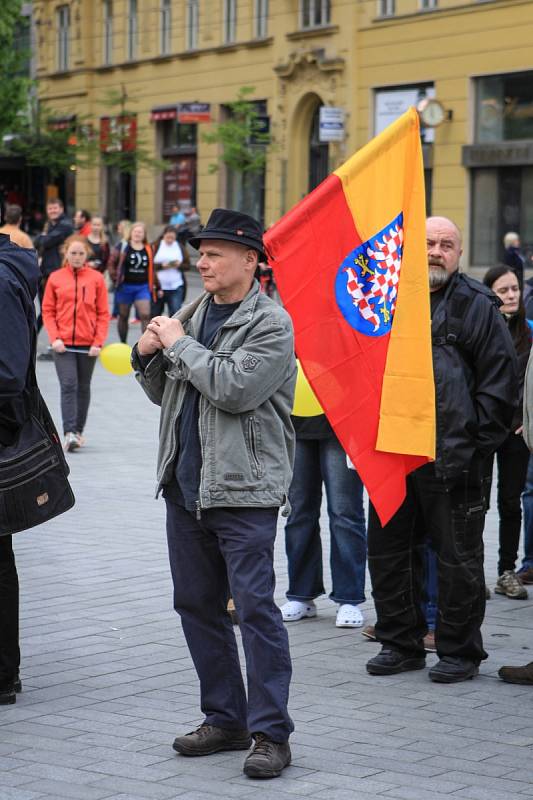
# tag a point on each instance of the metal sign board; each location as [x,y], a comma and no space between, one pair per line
[194,112]
[331,124]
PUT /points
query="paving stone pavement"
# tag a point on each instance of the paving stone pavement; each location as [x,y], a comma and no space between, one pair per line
[108,681]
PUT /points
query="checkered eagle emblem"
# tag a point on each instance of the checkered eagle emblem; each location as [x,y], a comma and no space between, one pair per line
[366,286]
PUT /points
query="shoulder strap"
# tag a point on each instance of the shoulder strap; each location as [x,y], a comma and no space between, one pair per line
[455,314]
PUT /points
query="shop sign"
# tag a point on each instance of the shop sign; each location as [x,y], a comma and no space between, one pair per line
[118,134]
[189,113]
[518,153]
[62,123]
[262,129]
[390,104]
[161,114]
[331,124]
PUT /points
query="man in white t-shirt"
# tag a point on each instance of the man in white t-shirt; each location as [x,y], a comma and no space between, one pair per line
[168,258]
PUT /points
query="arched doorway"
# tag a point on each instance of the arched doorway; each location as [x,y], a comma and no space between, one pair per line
[308,158]
[318,153]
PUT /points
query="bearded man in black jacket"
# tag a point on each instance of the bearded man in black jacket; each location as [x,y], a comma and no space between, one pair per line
[476,391]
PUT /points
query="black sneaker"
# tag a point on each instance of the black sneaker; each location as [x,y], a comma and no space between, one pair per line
[390,661]
[268,759]
[208,739]
[452,670]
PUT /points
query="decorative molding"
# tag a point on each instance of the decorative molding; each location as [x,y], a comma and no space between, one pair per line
[303,60]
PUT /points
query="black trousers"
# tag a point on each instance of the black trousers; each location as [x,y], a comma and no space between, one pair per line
[451,517]
[9,613]
[512,458]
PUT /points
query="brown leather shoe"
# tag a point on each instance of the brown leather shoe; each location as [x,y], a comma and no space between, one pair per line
[268,759]
[208,739]
[369,632]
[525,576]
[429,642]
[522,675]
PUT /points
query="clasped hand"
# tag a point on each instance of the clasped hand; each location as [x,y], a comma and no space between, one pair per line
[161,332]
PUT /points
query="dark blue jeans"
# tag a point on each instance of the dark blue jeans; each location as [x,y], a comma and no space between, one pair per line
[527,504]
[230,551]
[324,461]
[431,581]
[172,298]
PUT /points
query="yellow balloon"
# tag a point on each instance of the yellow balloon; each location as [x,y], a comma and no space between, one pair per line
[116,358]
[305,402]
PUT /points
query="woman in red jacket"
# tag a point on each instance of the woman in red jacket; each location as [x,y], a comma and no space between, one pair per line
[76,318]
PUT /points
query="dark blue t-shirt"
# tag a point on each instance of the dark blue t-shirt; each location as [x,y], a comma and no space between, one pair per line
[188,464]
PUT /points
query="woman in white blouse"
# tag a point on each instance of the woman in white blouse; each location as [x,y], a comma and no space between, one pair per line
[168,260]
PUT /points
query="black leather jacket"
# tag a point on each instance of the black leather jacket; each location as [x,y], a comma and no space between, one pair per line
[476,376]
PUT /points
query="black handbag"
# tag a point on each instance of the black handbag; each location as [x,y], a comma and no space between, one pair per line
[33,470]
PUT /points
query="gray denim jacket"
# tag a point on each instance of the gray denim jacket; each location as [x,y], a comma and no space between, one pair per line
[246,383]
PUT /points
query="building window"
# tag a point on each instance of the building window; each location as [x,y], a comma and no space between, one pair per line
[230,21]
[504,107]
[63,35]
[502,184]
[386,8]
[426,5]
[314,13]
[261,19]
[166,26]
[192,24]
[108,32]
[132,30]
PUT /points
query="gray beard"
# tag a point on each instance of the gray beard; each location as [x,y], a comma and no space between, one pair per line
[438,277]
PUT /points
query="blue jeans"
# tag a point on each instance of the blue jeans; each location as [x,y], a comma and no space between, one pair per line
[431,584]
[173,298]
[527,502]
[324,461]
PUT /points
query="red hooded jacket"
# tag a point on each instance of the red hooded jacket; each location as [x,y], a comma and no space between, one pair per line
[75,307]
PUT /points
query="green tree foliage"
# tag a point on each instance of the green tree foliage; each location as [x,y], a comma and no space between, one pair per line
[57,148]
[14,84]
[244,145]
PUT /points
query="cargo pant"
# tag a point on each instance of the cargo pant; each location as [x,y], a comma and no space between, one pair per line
[452,517]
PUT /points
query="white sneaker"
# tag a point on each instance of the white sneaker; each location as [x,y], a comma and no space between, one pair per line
[349,616]
[293,610]
[71,442]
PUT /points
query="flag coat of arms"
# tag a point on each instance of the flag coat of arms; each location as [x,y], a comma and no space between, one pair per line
[350,264]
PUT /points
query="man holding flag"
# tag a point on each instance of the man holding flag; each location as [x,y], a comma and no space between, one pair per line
[476,390]
[366,284]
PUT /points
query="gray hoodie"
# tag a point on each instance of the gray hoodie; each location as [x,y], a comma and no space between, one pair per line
[246,383]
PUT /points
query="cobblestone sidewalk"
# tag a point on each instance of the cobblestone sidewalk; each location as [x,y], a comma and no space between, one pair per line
[108,682]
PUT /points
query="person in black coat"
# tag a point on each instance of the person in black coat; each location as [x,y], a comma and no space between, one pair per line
[476,393]
[48,244]
[19,271]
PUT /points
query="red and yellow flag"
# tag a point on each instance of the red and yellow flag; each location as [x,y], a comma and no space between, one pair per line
[351,267]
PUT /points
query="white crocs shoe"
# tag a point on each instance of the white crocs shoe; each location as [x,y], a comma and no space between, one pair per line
[349,616]
[293,610]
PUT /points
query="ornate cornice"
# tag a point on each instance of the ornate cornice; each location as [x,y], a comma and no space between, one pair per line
[309,58]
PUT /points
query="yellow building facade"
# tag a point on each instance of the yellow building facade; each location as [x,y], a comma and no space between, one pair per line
[180,62]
